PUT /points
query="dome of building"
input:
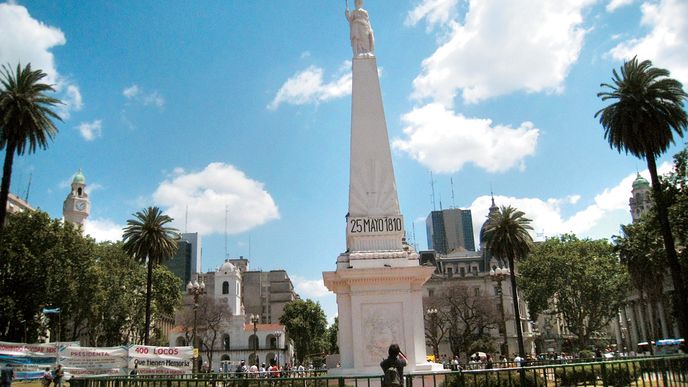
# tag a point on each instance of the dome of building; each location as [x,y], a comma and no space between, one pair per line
[79,178]
[640,182]
[227,267]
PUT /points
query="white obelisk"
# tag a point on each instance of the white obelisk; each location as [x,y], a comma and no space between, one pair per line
[378,280]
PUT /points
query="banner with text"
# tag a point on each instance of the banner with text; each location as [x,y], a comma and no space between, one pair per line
[161,360]
[93,361]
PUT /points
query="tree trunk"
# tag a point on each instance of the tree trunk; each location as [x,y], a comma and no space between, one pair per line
[6,178]
[517,313]
[681,305]
[149,293]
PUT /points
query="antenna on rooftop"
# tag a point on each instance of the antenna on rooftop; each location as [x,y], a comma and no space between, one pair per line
[226,215]
[249,246]
[28,189]
[413,228]
[440,197]
[451,181]
[186,218]
[432,187]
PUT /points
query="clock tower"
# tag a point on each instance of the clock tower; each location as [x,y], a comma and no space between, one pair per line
[77,206]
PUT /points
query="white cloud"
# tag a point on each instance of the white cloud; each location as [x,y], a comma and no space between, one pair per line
[138,94]
[90,130]
[444,141]
[310,288]
[501,47]
[666,45]
[73,98]
[307,86]
[131,91]
[208,192]
[613,5]
[433,11]
[103,230]
[596,220]
[24,40]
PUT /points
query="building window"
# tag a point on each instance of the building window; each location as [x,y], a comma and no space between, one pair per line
[449,272]
[253,342]
[225,342]
[431,292]
[225,287]
[463,272]
[476,291]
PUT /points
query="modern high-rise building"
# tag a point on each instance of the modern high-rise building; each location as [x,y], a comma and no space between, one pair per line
[187,261]
[450,230]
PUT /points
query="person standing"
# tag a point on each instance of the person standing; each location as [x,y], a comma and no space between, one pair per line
[6,376]
[393,367]
[57,378]
[47,377]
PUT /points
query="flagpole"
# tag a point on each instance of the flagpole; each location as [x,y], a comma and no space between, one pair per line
[59,330]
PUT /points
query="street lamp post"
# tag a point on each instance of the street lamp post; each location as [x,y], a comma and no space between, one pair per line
[432,312]
[278,334]
[498,275]
[254,320]
[196,290]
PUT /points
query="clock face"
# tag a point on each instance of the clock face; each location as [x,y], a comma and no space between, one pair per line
[80,205]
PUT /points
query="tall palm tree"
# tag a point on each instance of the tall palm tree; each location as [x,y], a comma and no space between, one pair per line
[646,111]
[506,236]
[26,120]
[148,240]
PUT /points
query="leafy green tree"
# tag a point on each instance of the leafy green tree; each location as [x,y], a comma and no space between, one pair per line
[506,236]
[98,287]
[641,251]
[45,263]
[332,333]
[675,184]
[646,110]
[120,313]
[581,280]
[26,120]
[306,325]
[148,240]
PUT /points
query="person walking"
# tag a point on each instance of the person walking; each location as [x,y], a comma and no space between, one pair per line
[393,367]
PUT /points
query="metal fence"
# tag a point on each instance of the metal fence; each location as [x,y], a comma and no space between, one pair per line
[670,371]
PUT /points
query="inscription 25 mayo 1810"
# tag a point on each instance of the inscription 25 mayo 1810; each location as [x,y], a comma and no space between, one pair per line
[376,225]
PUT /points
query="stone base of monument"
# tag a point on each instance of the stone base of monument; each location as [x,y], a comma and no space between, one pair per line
[380,306]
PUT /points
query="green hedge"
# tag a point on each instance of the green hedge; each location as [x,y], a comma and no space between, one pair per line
[613,374]
[495,379]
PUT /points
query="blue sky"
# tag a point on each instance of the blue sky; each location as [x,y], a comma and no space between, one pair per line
[241,110]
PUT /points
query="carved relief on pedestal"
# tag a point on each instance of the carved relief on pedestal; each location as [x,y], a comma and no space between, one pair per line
[382,325]
[373,190]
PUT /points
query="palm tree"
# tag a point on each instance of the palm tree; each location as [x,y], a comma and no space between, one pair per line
[505,235]
[148,240]
[646,110]
[26,120]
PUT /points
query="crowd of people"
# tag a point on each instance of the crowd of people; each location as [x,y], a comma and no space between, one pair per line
[274,370]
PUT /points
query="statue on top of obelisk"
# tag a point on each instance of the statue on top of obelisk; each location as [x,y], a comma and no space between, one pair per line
[361,33]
